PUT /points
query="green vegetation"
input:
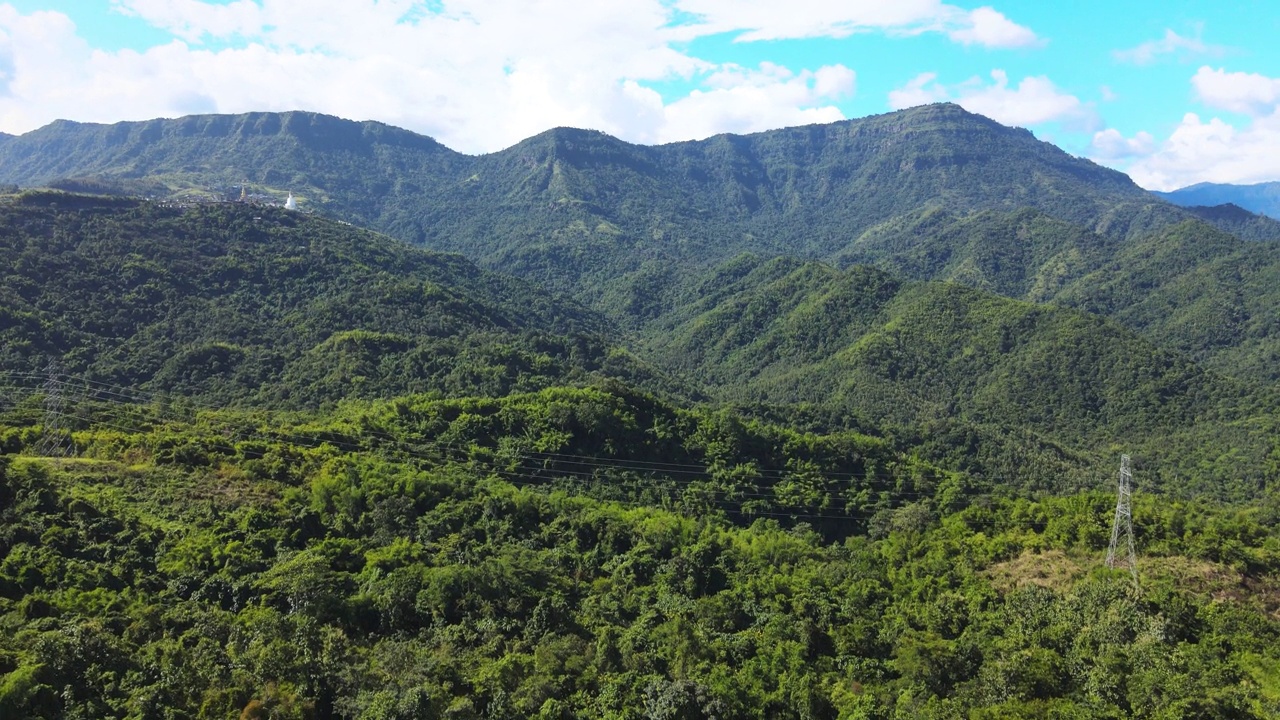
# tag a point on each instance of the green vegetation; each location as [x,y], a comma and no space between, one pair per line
[228,302]
[332,567]
[930,193]
[257,306]
[1030,379]
[1187,287]
[315,472]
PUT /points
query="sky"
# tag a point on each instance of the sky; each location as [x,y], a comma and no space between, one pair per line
[1173,92]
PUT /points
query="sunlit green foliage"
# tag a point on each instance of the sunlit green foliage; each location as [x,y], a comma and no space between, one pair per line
[349,583]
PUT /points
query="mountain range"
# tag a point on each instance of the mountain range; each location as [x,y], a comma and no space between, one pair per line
[1261,198]
[738,267]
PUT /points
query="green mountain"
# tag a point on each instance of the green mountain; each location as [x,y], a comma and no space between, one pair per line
[1196,290]
[931,193]
[573,203]
[1188,287]
[322,473]
[315,156]
[236,302]
[1261,198]
[786,331]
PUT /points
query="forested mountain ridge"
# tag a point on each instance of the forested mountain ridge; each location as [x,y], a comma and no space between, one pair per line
[929,193]
[868,522]
[785,330]
[351,169]
[802,191]
[235,302]
[239,303]
[1188,287]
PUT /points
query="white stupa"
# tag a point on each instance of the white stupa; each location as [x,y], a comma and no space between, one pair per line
[290,204]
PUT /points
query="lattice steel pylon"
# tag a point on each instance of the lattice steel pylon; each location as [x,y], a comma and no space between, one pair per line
[54,442]
[1124,520]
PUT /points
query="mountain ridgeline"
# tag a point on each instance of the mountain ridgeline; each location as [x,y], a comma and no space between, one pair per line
[652,239]
[932,193]
[802,191]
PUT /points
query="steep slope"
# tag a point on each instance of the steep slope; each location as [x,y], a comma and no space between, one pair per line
[1261,198]
[1187,287]
[233,302]
[1024,254]
[805,191]
[783,330]
[1196,290]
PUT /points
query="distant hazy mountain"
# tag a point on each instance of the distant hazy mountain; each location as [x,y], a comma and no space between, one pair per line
[1262,198]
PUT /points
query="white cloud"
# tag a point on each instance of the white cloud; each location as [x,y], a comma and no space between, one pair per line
[192,20]
[1172,43]
[989,28]
[1034,101]
[1200,150]
[1248,93]
[746,101]
[476,74]
[1110,145]
[1212,151]
[919,90]
[769,20]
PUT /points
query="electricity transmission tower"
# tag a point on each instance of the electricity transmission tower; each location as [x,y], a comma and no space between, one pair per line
[1124,520]
[54,442]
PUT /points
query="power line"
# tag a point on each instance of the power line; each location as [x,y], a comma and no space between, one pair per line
[524,467]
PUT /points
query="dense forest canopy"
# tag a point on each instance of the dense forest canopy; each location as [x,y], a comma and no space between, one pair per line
[337,567]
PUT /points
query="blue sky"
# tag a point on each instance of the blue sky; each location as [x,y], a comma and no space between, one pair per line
[1173,91]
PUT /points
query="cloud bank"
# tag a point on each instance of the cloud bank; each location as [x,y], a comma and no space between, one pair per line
[1246,150]
[478,75]
[1035,100]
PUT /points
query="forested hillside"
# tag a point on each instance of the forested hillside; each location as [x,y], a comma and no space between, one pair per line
[257,566]
[1187,287]
[783,330]
[237,302]
[933,193]
[232,303]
